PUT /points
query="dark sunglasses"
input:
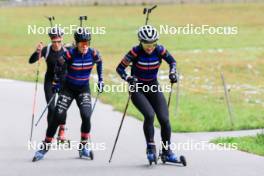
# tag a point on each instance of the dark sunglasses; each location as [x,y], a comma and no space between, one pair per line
[59,41]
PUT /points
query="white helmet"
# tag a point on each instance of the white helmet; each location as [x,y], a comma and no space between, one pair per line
[148,34]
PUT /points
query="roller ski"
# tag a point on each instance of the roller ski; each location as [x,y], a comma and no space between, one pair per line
[151,154]
[61,137]
[85,152]
[39,155]
[169,156]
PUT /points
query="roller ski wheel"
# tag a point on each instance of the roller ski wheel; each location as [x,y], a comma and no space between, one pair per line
[183,160]
[85,152]
[152,158]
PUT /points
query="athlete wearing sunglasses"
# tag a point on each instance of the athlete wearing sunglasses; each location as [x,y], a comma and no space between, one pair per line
[145,60]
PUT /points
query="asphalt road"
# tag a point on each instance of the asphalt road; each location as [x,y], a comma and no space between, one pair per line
[129,158]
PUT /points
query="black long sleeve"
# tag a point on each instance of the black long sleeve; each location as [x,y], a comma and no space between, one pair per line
[170,60]
[35,56]
[121,68]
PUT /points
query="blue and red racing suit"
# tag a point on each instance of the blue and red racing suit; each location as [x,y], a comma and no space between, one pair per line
[145,68]
[76,86]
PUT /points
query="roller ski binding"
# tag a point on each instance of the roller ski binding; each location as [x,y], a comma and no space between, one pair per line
[169,156]
[85,151]
[151,154]
[39,155]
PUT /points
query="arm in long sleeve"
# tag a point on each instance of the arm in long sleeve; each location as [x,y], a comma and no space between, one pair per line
[99,65]
[35,56]
[169,59]
[121,68]
[99,68]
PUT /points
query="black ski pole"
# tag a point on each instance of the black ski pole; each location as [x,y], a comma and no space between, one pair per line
[129,97]
[45,109]
[177,96]
[96,98]
[169,100]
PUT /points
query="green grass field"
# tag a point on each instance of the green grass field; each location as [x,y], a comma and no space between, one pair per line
[200,58]
[250,144]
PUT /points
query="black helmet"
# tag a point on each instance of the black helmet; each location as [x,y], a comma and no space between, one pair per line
[148,34]
[55,32]
[82,35]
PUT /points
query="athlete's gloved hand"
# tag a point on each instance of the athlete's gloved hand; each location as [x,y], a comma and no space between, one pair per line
[173,77]
[131,80]
[39,47]
[100,86]
[56,86]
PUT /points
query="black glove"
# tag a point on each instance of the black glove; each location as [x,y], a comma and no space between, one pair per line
[56,86]
[100,86]
[131,80]
[173,77]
